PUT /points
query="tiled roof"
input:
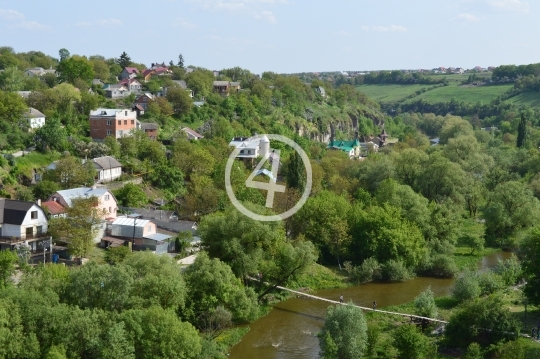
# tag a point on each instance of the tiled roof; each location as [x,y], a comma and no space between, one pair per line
[132,70]
[53,207]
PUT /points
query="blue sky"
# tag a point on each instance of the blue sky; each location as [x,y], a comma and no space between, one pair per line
[282,35]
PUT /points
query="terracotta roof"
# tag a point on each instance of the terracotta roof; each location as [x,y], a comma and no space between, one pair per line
[189,131]
[132,70]
[138,107]
[53,207]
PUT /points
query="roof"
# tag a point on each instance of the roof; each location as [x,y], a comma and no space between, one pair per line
[221,83]
[33,113]
[53,207]
[126,221]
[147,72]
[14,211]
[131,70]
[108,112]
[138,107]
[149,95]
[157,237]
[128,82]
[105,163]
[149,126]
[181,83]
[235,84]
[114,242]
[82,192]
[189,131]
[344,145]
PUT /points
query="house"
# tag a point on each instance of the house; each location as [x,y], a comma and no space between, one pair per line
[252,147]
[111,122]
[116,91]
[143,233]
[54,208]
[224,88]
[106,206]
[38,71]
[128,73]
[155,70]
[352,148]
[192,135]
[139,110]
[132,85]
[22,222]
[367,147]
[151,129]
[144,99]
[35,118]
[108,168]
[98,83]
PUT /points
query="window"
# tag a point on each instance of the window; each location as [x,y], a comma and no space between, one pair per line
[119,122]
[125,112]
[107,198]
[125,122]
[39,229]
[149,228]
[132,122]
[108,132]
[33,214]
[108,122]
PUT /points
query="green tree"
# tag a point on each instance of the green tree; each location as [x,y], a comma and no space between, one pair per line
[295,172]
[52,136]
[180,61]
[474,351]
[201,82]
[168,178]
[484,320]
[180,100]
[522,131]
[56,352]
[11,79]
[8,259]
[131,195]
[80,226]
[115,255]
[212,284]
[530,250]
[158,333]
[74,68]
[410,342]
[117,343]
[344,333]
[124,60]
[70,173]
[63,54]
[425,305]
[466,287]
[12,107]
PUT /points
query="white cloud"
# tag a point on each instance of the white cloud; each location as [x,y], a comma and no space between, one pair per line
[17,20]
[252,8]
[185,24]
[391,28]
[467,17]
[8,14]
[510,5]
[109,23]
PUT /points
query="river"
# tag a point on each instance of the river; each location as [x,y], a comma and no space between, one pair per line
[290,330]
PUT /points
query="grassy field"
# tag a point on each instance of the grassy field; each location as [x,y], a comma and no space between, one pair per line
[390,93]
[474,94]
[527,98]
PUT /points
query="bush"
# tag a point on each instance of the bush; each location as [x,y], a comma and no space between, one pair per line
[490,283]
[368,271]
[474,351]
[443,266]
[396,271]
[509,270]
[425,305]
[410,343]
[466,287]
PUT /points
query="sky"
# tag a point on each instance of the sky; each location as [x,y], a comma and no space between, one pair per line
[284,36]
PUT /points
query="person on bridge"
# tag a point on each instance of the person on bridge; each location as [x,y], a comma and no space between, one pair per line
[341,298]
[374,305]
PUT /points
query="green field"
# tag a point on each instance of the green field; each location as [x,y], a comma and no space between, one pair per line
[474,94]
[390,93]
[527,98]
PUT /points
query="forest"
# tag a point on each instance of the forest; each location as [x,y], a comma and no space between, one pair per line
[409,209]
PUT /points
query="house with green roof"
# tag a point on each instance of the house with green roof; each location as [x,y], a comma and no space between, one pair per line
[352,148]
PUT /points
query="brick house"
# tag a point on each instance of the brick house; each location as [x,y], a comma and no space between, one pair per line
[151,129]
[111,122]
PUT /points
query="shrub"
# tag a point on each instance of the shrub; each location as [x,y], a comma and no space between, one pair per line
[368,271]
[425,305]
[509,270]
[443,266]
[466,287]
[396,271]
[474,351]
[490,283]
[410,343]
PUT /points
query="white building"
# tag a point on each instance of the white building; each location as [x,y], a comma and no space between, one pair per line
[251,147]
[108,168]
[21,222]
[35,118]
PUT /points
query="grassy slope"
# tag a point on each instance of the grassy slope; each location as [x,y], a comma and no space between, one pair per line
[527,98]
[34,160]
[389,93]
[483,94]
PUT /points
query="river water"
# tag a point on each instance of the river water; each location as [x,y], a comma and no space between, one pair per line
[290,330]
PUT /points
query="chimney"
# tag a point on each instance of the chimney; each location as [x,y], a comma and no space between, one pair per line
[38,202]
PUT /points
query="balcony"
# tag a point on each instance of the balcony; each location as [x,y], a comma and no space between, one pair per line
[28,237]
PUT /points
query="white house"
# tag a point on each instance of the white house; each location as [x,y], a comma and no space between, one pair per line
[22,222]
[106,207]
[35,118]
[251,147]
[108,168]
[192,135]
